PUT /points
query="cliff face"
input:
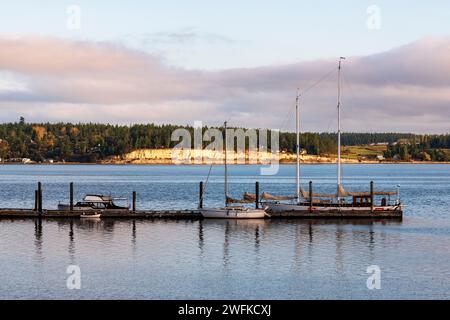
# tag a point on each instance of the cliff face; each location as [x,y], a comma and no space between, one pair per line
[173,156]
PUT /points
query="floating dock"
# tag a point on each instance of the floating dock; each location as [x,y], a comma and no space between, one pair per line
[40,212]
[195,214]
[336,214]
[141,214]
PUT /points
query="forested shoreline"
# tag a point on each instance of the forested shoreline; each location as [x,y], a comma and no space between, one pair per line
[91,142]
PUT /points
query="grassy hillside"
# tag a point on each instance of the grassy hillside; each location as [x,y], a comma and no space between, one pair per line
[363,152]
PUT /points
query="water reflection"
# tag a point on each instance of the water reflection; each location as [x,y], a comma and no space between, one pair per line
[38,242]
[201,240]
[226,244]
[339,234]
[241,229]
[133,234]
[71,243]
[215,253]
[298,245]
[257,238]
[300,237]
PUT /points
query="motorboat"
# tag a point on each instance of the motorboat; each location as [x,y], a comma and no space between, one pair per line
[95,202]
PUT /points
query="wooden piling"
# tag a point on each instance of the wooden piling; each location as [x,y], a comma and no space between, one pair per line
[310,196]
[257,194]
[200,202]
[36,199]
[134,201]
[371,196]
[71,196]
[39,197]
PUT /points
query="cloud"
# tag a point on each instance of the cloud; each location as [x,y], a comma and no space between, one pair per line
[404,89]
[185,36]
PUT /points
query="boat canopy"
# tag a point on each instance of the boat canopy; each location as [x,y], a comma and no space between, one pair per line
[97,198]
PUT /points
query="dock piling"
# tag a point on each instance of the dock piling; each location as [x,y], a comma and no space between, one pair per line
[257,194]
[134,201]
[200,203]
[71,196]
[371,196]
[310,196]
[36,197]
[39,197]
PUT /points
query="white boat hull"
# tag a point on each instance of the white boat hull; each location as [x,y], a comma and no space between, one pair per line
[90,216]
[66,207]
[232,213]
[283,207]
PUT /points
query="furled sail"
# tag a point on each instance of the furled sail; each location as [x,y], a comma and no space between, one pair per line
[267,196]
[250,197]
[232,200]
[344,193]
[305,194]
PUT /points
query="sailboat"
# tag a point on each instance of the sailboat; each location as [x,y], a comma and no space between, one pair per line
[273,202]
[307,201]
[231,212]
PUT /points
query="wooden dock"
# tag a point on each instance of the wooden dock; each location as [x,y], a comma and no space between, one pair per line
[336,214]
[195,214]
[141,214]
[40,212]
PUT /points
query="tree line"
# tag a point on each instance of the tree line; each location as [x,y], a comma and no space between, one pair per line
[424,147]
[89,142]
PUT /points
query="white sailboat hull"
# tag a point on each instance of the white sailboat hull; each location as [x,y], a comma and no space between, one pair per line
[283,207]
[233,213]
[90,216]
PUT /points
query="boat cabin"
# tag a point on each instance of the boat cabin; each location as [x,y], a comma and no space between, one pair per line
[363,201]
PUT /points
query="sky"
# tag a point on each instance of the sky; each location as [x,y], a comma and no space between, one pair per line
[242,61]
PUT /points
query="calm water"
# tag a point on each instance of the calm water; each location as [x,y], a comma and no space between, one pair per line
[277,259]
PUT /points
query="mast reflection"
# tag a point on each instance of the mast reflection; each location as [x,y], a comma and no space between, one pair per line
[201,239]
[38,238]
[226,244]
[71,248]
[133,233]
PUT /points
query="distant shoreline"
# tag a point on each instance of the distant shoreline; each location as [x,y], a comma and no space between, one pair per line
[121,163]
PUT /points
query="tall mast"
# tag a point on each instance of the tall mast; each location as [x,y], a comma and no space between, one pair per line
[339,128]
[225,164]
[297,147]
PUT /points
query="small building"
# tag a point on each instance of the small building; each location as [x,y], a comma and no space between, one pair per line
[380,157]
[403,141]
